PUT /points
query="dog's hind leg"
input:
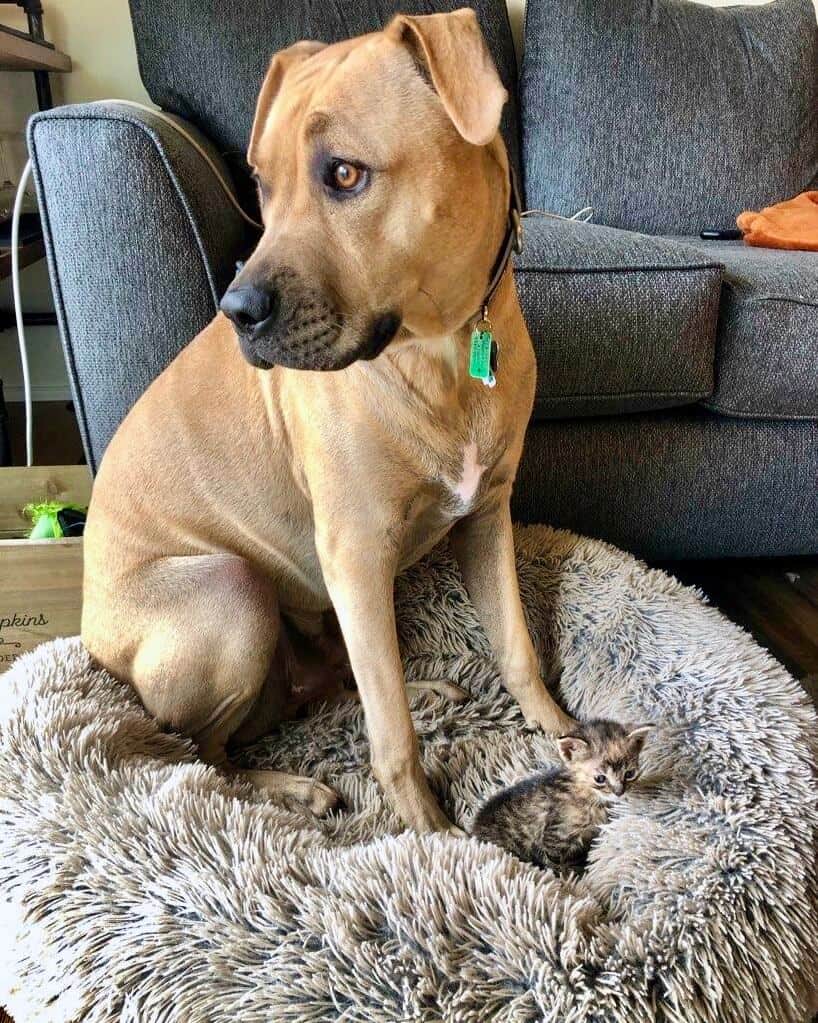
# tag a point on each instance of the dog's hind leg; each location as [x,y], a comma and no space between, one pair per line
[201,635]
[441,687]
[279,785]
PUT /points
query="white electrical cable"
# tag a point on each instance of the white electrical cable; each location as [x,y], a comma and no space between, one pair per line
[173,122]
[583,216]
[15,248]
[18,308]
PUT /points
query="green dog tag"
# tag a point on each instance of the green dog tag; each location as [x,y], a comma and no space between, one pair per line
[480,357]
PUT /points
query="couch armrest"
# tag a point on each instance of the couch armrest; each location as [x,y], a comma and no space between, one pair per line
[141,242]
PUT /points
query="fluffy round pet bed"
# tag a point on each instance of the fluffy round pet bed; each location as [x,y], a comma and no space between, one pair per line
[138,885]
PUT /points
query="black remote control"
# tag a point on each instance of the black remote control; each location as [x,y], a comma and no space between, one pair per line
[715,234]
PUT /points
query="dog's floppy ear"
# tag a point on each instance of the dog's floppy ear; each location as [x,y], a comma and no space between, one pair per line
[279,66]
[450,50]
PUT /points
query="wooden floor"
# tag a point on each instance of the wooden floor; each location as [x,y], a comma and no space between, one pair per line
[775,599]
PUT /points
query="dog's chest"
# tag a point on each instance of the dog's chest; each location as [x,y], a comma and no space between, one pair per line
[452,455]
[463,487]
[465,469]
[451,489]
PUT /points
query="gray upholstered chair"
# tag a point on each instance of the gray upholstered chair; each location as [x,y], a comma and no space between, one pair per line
[677,402]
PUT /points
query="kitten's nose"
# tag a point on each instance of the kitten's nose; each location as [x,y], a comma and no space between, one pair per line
[618,788]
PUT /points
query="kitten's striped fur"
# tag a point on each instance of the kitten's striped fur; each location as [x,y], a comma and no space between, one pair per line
[552,817]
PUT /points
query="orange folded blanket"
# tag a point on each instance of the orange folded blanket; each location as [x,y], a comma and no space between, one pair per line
[787,225]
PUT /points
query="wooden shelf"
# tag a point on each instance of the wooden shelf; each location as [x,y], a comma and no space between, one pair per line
[19,52]
[30,252]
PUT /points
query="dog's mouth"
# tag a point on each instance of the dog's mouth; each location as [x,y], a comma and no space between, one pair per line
[314,339]
[283,319]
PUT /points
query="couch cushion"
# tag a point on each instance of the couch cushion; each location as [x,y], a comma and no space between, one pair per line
[621,322]
[668,116]
[767,351]
[685,483]
[233,43]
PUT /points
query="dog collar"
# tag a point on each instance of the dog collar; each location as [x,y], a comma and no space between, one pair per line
[484,349]
[512,242]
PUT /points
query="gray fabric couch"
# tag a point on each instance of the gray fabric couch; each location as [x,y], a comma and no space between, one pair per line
[677,400]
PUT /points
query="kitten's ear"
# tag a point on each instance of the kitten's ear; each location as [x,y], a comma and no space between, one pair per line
[571,746]
[637,736]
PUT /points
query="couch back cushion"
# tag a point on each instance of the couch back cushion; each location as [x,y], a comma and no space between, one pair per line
[205,60]
[668,116]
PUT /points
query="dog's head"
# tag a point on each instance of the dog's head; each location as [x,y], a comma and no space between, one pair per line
[383,186]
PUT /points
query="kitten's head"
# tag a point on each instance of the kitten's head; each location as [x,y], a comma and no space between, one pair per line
[604,755]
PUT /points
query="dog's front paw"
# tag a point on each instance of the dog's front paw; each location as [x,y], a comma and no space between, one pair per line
[426,815]
[406,788]
[548,716]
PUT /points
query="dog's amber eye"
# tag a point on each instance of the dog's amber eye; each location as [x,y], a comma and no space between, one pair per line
[343,178]
[346,176]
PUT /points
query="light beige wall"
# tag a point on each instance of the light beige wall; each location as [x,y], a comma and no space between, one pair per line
[516,15]
[98,36]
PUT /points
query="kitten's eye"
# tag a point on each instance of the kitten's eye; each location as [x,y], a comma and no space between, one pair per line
[344,177]
[629,775]
[601,779]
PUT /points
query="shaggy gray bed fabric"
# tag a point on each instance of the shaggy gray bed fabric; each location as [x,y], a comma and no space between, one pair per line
[139,885]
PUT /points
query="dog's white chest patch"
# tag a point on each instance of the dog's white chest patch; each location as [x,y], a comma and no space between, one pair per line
[466,486]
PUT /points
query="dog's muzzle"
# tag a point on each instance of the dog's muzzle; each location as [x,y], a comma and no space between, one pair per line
[284,322]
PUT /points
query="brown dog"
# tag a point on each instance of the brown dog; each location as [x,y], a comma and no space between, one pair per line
[243,497]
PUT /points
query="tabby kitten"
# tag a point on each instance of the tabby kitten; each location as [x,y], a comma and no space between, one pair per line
[552,817]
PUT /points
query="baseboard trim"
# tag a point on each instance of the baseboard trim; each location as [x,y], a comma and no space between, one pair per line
[40,392]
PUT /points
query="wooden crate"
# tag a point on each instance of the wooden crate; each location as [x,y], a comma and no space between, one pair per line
[40,580]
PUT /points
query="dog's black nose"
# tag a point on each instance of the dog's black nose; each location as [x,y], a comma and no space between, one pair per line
[248,305]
